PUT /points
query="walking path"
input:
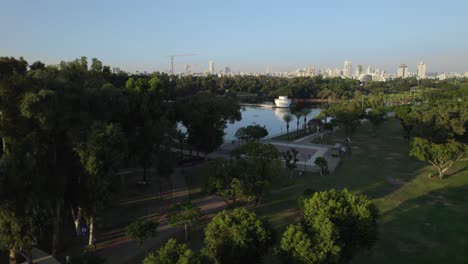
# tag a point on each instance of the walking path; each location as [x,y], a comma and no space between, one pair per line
[125,250]
[42,257]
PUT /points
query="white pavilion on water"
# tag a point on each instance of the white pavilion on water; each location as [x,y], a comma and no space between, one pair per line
[283,101]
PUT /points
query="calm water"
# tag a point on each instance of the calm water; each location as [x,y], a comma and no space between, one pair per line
[271,118]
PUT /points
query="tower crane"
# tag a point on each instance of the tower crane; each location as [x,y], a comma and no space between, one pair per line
[176,55]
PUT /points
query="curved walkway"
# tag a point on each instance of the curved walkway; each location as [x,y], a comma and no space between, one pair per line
[128,251]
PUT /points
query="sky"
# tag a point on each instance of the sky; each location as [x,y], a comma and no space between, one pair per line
[246,35]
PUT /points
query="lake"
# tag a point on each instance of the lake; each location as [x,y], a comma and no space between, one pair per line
[271,118]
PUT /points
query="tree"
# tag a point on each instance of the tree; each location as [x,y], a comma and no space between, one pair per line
[377,117]
[322,163]
[172,253]
[290,159]
[184,215]
[305,113]
[288,118]
[298,116]
[221,180]
[37,66]
[237,236]
[142,230]
[347,115]
[256,165]
[407,120]
[17,231]
[100,154]
[96,65]
[349,220]
[205,117]
[253,132]
[301,245]
[440,156]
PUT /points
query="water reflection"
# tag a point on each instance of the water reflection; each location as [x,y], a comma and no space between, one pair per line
[271,118]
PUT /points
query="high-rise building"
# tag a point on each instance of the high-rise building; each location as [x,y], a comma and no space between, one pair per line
[402,71]
[211,67]
[227,70]
[358,71]
[368,70]
[422,70]
[347,68]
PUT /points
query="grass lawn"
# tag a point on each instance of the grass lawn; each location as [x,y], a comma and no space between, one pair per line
[422,219]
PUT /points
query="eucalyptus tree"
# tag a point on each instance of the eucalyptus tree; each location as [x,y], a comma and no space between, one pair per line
[100,153]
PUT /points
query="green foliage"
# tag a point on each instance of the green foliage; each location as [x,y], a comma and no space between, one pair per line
[142,230]
[407,120]
[253,132]
[288,118]
[302,246]
[184,215]
[172,253]
[17,232]
[349,220]
[205,116]
[256,165]
[290,159]
[322,163]
[237,236]
[376,116]
[441,156]
[346,115]
[248,176]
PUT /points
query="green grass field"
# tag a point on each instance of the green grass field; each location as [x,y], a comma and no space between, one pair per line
[422,219]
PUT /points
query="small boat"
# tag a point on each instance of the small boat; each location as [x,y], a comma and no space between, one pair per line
[283,102]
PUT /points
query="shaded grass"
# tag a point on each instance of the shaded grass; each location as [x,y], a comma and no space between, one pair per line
[422,220]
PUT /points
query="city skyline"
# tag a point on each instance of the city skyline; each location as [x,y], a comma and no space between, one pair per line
[246,37]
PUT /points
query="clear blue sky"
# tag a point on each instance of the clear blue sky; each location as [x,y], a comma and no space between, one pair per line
[246,35]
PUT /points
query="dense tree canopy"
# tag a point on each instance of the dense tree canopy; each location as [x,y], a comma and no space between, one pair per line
[336,226]
[172,253]
[237,236]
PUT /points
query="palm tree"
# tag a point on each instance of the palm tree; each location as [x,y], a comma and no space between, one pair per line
[298,115]
[305,113]
[288,118]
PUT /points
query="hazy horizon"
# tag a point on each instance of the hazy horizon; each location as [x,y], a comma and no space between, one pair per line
[246,36]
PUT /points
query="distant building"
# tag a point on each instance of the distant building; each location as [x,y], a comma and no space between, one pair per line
[347,68]
[422,70]
[227,70]
[402,71]
[211,69]
[369,70]
[358,71]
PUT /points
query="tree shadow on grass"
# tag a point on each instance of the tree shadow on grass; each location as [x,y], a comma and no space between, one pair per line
[428,229]
[379,165]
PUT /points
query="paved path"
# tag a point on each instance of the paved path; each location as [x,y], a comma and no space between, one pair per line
[125,250]
[42,257]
